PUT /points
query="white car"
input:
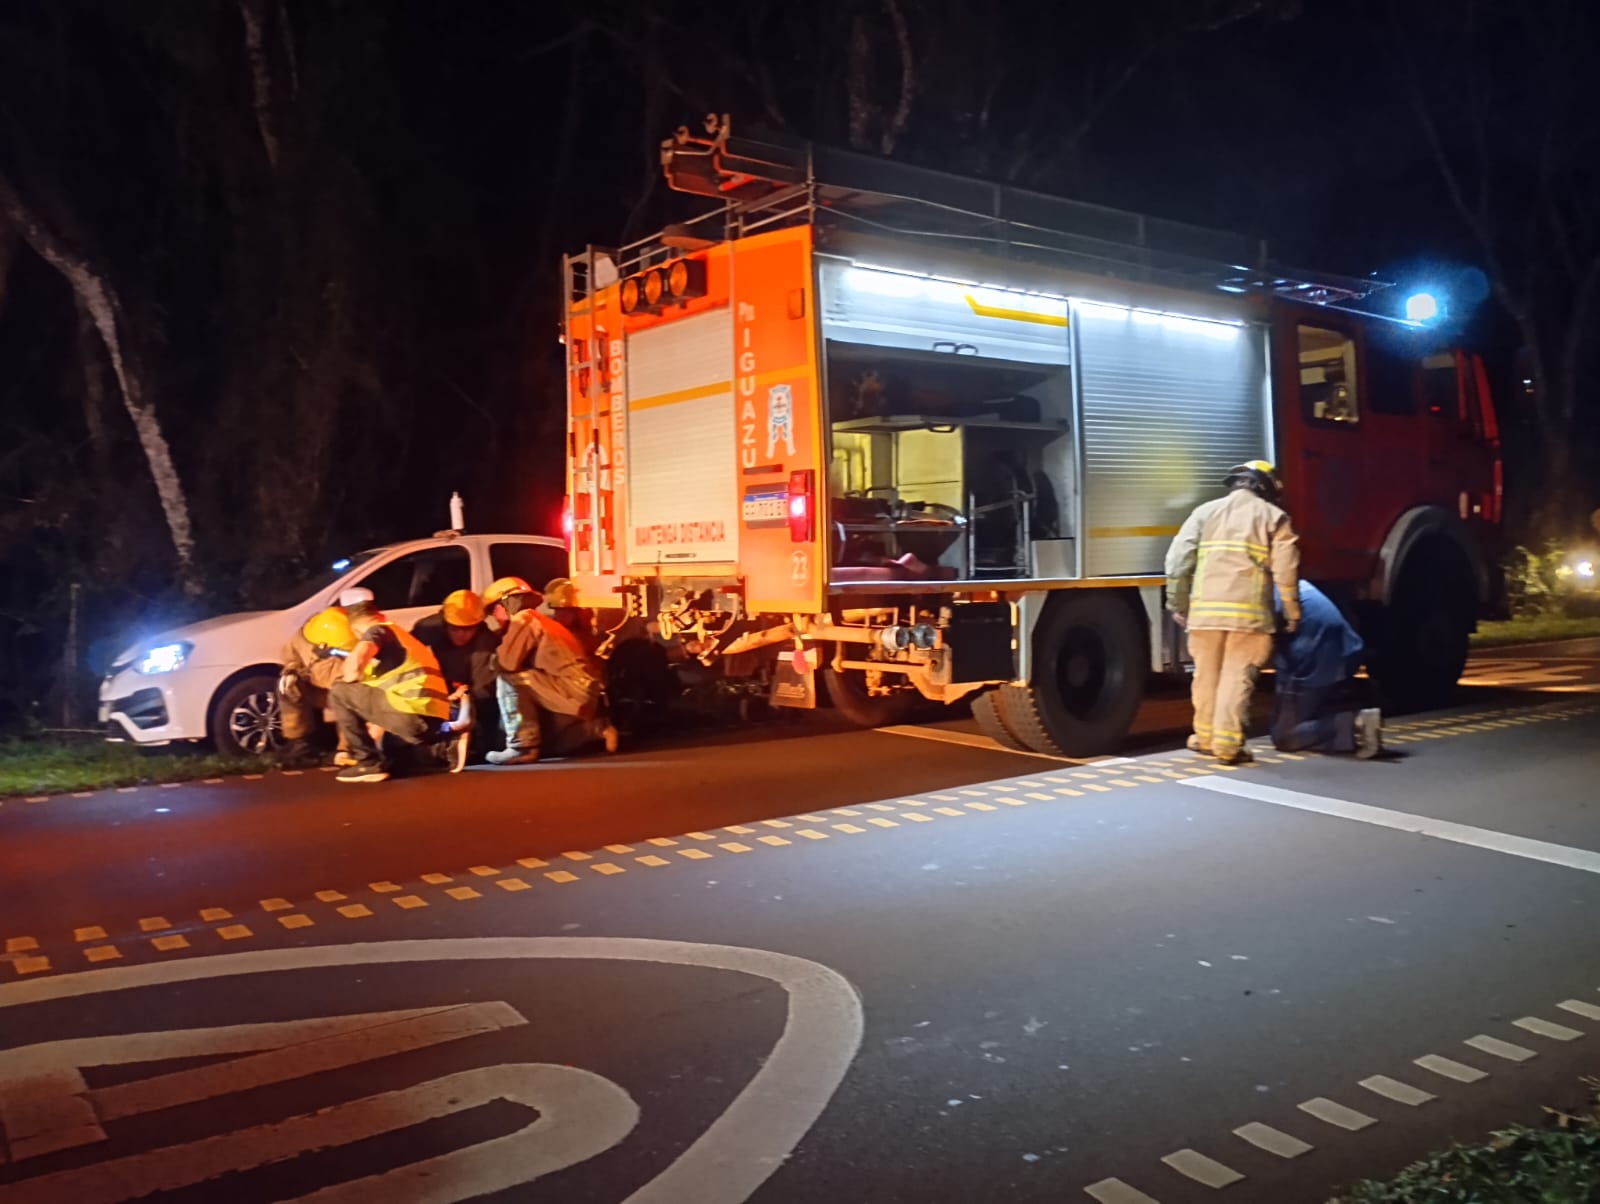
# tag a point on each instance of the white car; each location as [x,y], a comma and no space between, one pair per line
[217,680]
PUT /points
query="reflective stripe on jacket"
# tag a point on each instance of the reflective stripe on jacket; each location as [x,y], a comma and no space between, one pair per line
[415,686]
[1227,557]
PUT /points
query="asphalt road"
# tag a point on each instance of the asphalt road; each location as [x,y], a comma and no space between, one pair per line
[813,964]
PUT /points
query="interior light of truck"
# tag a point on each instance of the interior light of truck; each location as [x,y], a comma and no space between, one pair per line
[802,526]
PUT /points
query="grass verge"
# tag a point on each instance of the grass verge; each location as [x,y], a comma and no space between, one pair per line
[1534,631]
[1558,1164]
[52,766]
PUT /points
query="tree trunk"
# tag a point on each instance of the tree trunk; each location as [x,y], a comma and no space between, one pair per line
[96,297]
[254,15]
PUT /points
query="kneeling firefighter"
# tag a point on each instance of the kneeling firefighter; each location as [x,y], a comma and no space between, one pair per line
[1221,571]
[308,670]
[392,681]
[544,675]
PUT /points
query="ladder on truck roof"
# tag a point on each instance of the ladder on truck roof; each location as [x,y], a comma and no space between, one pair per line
[765,185]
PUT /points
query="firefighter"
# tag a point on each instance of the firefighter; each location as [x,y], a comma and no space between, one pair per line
[1313,706]
[465,648]
[544,674]
[392,681]
[1221,571]
[309,667]
[561,604]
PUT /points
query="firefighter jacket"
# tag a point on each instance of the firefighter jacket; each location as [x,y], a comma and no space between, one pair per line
[300,659]
[407,673]
[1227,557]
[535,643]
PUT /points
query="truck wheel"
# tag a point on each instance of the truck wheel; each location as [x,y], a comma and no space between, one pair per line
[847,690]
[1422,645]
[1089,671]
[986,710]
[640,683]
[245,721]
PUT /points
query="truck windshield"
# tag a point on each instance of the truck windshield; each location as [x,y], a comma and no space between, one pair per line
[294,593]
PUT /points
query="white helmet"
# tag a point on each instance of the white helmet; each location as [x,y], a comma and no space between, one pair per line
[355,597]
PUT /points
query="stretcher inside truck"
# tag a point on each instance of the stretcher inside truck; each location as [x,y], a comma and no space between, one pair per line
[927,438]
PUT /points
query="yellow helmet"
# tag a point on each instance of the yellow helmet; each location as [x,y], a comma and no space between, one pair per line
[463,609]
[504,588]
[561,592]
[330,629]
[1258,476]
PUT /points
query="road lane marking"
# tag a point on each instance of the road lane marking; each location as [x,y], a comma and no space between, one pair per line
[238,932]
[699,836]
[167,944]
[83,935]
[408,902]
[970,740]
[739,829]
[489,871]
[532,863]
[1579,1008]
[661,842]
[212,914]
[607,868]
[948,811]
[266,905]
[1404,821]
[733,846]
[437,879]
[1500,1049]
[21,944]
[812,834]
[694,854]
[574,855]
[1115,1191]
[562,876]
[463,893]
[1547,1028]
[1333,1113]
[1196,1166]
[384,888]
[652,860]
[880,822]
[774,841]
[726,1164]
[915,817]
[296,921]
[102,953]
[513,884]
[851,829]
[1401,1093]
[619,848]
[329,896]
[1450,1069]
[1273,1141]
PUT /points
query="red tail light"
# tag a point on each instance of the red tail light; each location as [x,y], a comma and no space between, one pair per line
[566,521]
[802,522]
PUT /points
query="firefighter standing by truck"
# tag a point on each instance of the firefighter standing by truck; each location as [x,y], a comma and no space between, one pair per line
[1221,572]
[544,674]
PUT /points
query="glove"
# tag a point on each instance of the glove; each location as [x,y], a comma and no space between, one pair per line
[289,687]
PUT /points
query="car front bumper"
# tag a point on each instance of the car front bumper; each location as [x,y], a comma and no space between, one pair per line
[157,708]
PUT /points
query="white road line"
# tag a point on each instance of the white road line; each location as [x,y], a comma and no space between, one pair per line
[1579,1008]
[1336,1114]
[971,740]
[1500,1049]
[1547,1028]
[1449,1069]
[1115,1191]
[1401,1093]
[1201,1169]
[1403,821]
[1273,1141]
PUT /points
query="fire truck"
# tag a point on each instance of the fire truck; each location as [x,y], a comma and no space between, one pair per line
[928,438]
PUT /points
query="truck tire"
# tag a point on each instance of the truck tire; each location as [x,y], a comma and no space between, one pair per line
[640,684]
[1423,636]
[1089,669]
[847,690]
[986,710]
[244,719]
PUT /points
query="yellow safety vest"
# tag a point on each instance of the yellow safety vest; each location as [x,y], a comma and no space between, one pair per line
[415,686]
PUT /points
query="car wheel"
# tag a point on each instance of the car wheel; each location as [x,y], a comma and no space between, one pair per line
[245,719]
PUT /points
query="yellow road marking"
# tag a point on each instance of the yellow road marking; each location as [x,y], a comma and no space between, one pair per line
[532,863]
[914,816]
[1012,801]
[774,841]
[577,856]
[948,811]
[168,943]
[1098,788]
[437,879]
[812,834]
[237,932]
[355,911]
[384,888]
[153,924]
[694,854]
[267,905]
[733,846]
[699,836]
[409,901]
[328,896]
[513,884]
[102,953]
[880,822]
[88,934]
[1069,792]
[483,871]
[463,893]
[783,823]
[739,830]
[619,848]
[606,868]
[845,811]
[848,829]
[562,876]
[212,914]
[652,860]
[31,965]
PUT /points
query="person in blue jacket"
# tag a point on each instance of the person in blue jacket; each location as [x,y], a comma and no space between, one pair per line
[1314,707]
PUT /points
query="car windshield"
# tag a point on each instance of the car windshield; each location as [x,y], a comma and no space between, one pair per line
[285,596]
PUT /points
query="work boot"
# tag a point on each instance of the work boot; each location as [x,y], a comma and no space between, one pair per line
[296,754]
[363,773]
[1369,733]
[1195,746]
[1240,756]
[345,760]
[513,756]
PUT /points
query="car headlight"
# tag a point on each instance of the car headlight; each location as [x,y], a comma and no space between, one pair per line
[164,658]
